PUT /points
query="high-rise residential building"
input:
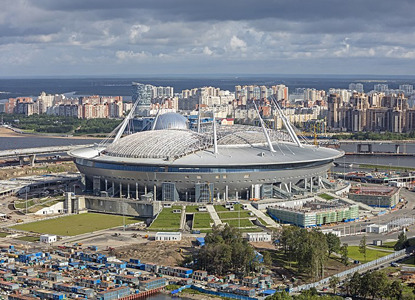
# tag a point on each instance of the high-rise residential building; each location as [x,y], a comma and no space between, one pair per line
[376,112]
[142,93]
[381,87]
[45,101]
[358,87]
[407,89]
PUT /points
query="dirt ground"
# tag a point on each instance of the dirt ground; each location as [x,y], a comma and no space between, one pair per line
[38,169]
[164,253]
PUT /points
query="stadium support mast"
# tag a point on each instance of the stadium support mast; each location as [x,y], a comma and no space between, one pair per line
[215,137]
[198,116]
[271,148]
[126,120]
[287,123]
[155,119]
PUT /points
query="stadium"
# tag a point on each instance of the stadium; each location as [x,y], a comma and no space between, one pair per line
[170,162]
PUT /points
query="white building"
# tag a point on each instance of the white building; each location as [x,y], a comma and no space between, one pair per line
[374,228]
[258,237]
[48,238]
[168,236]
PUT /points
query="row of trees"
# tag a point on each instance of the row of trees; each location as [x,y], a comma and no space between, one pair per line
[310,249]
[369,135]
[306,295]
[58,124]
[374,284]
[226,251]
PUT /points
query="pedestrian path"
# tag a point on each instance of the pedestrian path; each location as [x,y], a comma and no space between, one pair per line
[261,215]
[213,214]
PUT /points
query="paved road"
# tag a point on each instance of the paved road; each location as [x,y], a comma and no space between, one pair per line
[407,211]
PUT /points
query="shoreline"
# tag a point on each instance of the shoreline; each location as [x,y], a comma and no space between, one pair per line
[194,296]
[10,133]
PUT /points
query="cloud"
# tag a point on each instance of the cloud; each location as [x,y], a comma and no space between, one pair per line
[136,31]
[237,44]
[270,36]
[207,51]
[130,55]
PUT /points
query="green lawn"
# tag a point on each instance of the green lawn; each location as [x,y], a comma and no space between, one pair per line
[262,221]
[220,208]
[167,220]
[76,224]
[370,254]
[326,196]
[22,204]
[28,238]
[239,223]
[233,215]
[201,220]
[192,208]
[3,234]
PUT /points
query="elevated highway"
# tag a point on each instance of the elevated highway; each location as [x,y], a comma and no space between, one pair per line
[31,153]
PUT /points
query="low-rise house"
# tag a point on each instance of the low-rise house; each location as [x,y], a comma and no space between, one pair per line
[200,275]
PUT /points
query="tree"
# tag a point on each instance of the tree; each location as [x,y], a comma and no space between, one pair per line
[267,258]
[226,251]
[395,290]
[279,296]
[354,285]
[333,243]
[362,246]
[402,241]
[377,284]
[333,283]
[344,252]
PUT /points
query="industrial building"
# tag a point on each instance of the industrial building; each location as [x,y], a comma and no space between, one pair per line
[171,162]
[375,196]
[375,228]
[48,238]
[311,213]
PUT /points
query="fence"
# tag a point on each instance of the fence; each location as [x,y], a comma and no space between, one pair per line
[350,271]
[222,294]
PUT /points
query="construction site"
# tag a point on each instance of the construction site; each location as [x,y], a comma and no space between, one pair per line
[312,212]
[375,196]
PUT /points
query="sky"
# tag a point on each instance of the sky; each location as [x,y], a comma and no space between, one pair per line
[156,37]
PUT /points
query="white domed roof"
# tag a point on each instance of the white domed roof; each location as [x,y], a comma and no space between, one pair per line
[170,121]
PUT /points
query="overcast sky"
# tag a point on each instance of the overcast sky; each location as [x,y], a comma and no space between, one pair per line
[137,37]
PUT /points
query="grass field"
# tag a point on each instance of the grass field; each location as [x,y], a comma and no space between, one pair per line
[192,208]
[22,204]
[233,215]
[370,254]
[167,220]
[28,238]
[201,220]
[3,234]
[76,224]
[239,223]
[222,208]
[326,196]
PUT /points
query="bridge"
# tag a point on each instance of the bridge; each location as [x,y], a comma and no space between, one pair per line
[31,153]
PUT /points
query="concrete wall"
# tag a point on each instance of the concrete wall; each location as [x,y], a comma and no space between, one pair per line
[54,209]
[123,206]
